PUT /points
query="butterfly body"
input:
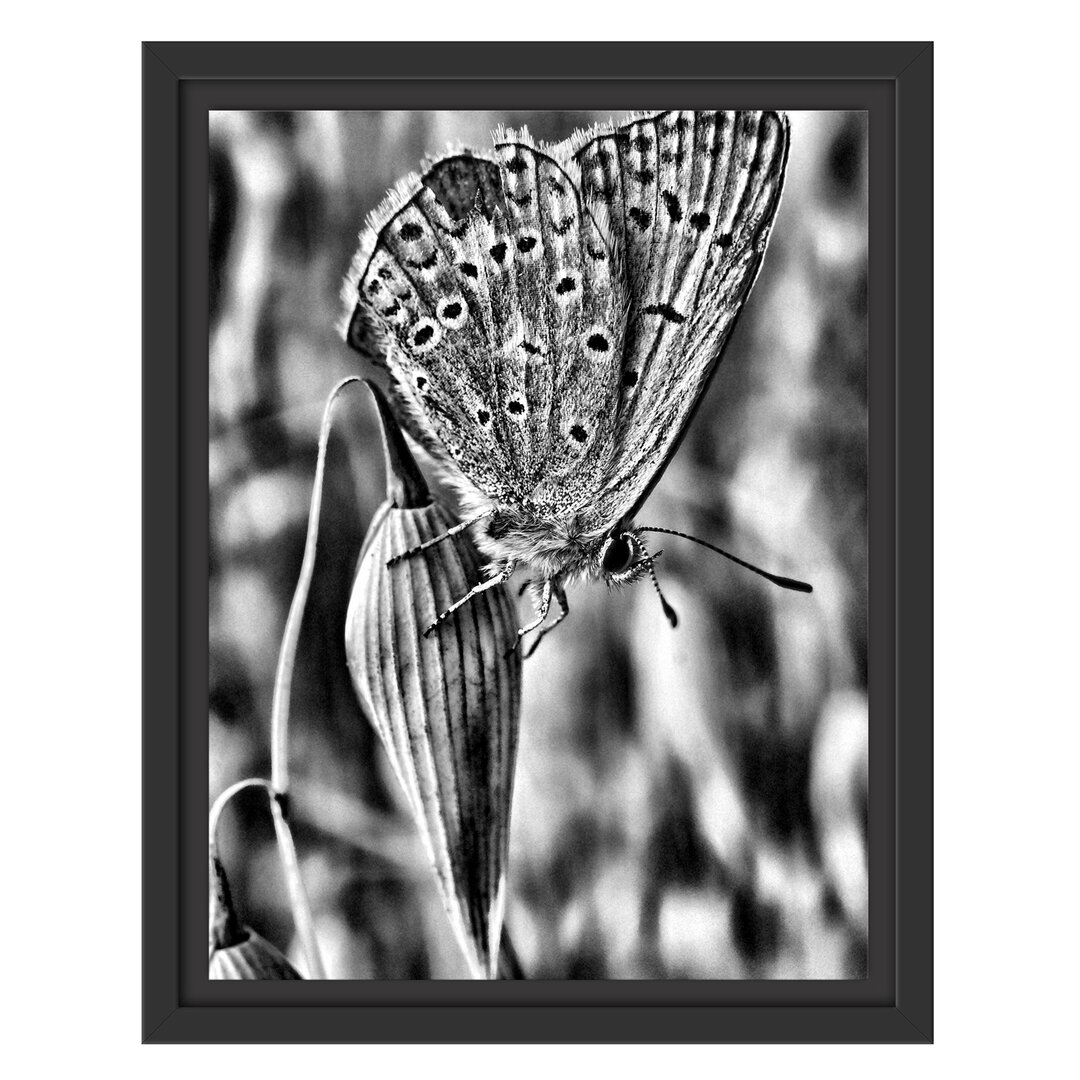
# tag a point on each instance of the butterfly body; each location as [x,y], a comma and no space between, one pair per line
[550,318]
[550,547]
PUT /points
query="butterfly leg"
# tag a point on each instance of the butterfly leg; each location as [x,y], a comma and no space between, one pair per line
[461,526]
[564,610]
[542,603]
[503,575]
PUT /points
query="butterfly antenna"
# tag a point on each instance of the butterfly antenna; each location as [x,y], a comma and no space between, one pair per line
[669,611]
[776,579]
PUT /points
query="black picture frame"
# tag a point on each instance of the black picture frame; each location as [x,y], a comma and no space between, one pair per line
[893,81]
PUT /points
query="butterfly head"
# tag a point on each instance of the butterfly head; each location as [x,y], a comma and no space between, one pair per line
[622,557]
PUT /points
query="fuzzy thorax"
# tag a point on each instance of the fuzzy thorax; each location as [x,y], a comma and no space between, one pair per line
[551,546]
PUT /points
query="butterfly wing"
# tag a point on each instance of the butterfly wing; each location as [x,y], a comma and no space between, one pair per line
[408,289]
[490,293]
[691,197]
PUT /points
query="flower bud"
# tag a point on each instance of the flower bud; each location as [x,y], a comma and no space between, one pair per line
[445,706]
[253,958]
[236,951]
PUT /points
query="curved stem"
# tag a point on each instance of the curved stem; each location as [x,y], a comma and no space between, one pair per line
[279,713]
[228,931]
[221,801]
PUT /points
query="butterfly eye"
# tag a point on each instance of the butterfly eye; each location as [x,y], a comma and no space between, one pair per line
[617,555]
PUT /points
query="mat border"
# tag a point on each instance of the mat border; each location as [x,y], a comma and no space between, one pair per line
[894,82]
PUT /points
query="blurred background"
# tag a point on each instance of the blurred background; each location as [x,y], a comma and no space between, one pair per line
[689,803]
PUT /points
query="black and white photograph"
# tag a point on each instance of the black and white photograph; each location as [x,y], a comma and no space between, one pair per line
[538,597]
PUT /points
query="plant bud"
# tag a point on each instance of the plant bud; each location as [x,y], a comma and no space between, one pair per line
[236,951]
[445,706]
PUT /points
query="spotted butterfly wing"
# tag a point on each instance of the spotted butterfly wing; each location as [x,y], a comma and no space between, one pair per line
[691,198]
[492,294]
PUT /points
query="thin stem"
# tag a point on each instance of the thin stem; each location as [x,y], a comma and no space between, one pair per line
[509,963]
[221,801]
[298,898]
[279,714]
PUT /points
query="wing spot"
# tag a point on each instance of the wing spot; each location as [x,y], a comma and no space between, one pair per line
[700,221]
[392,310]
[596,254]
[641,218]
[423,335]
[674,207]
[641,143]
[578,433]
[498,251]
[526,244]
[517,164]
[566,285]
[645,175]
[515,408]
[520,200]
[563,227]
[410,231]
[665,311]
[724,240]
[453,312]
[469,270]
[629,379]
[598,343]
[425,263]
[385,273]
[532,350]
[421,382]
[483,415]
[559,189]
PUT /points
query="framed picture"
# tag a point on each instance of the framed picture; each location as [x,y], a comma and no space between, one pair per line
[441,355]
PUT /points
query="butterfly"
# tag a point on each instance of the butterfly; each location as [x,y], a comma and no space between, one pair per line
[550,317]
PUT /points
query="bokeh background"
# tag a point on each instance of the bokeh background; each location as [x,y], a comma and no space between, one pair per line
[689,803]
